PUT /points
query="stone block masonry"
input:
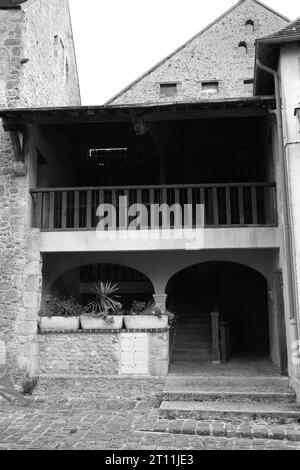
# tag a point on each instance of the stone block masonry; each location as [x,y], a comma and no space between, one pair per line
[214,55]
[37,68]
[96,354]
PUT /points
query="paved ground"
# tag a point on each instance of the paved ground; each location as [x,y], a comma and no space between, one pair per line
[63,427]
[241,366]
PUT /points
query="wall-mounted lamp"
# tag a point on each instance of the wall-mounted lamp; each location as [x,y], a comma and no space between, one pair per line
[297,113]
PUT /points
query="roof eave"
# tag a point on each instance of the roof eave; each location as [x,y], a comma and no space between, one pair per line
[278,41]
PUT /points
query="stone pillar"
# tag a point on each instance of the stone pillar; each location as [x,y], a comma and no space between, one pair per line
[20,274]
[161,300]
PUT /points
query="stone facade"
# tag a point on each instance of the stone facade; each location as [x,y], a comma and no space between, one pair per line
[212,55]
[37,68]
[37,56]
[96,354]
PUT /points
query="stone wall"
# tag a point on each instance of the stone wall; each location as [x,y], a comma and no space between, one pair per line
[213,55]
[32,73]
[95,354]
[49,76]
[35,68]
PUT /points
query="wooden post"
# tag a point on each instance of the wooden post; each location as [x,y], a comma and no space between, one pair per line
[216,354]
[225,341]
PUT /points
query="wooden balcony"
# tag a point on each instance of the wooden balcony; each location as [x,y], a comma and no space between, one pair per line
[226,205]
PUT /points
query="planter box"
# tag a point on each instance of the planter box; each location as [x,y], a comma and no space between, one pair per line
[139,322]
[91,323]
[59,323]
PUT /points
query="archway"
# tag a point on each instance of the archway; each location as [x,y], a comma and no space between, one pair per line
[77,282]
[238,294]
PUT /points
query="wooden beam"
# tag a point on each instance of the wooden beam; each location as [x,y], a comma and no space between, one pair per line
[17,139]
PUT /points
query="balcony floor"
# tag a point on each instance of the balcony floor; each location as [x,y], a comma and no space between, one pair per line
[150,240]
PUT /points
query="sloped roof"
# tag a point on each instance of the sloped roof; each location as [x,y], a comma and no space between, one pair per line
[290,33]
[267,51]
[148,72]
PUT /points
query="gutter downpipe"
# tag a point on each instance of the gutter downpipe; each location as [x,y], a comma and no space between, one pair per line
[288,237]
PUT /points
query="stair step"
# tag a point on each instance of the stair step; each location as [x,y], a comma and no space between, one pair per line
[193,344]
[193,336]
[282,412]
[223,395]
[191,359]
[220,382]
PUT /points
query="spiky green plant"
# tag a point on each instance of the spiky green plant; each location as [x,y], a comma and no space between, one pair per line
[106,303]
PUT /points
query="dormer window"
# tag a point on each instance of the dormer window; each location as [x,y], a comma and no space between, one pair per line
[168,89]
[210,87]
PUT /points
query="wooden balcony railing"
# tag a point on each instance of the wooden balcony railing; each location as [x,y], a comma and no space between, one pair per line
[226,205]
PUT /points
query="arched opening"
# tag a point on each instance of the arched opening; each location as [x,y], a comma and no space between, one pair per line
[239,295]
[77,282]
[243,49]
[249,25]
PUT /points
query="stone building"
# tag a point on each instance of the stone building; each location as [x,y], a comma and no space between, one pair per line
[213,126]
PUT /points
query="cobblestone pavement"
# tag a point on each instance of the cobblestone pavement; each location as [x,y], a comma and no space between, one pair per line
[61,427]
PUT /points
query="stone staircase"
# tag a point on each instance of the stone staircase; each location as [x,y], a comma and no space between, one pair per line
[192,342]
[230,398]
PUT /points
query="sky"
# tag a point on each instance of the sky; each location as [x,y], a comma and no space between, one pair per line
[116,41]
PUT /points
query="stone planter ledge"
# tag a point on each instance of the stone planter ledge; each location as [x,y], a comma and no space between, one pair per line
[111,331]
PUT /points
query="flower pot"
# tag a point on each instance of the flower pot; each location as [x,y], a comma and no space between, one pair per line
[139,322]
[59,323]
[92,323]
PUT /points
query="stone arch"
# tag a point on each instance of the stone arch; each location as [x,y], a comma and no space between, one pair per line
[159,266]
[163,273]
[239,295]
[215,261]
[147,279]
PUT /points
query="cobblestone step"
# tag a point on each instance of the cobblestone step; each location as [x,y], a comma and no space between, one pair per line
[216,382]
[278,412]
[243,429]
[232,395]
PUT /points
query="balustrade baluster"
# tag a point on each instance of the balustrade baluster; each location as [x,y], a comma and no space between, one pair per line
[52,211]
[254,205]
[64,210]
[241,206]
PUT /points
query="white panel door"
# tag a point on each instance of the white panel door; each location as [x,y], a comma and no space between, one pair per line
[134,353]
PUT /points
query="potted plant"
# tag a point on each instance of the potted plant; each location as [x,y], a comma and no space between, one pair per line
[60,313]
[143,315]
[104,311]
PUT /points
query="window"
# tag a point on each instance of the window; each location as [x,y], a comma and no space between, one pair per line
[108,152]
[210,87]
[59,52]
[249,25]
[243,48]
[248,84]
[168,89]
[108,156]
